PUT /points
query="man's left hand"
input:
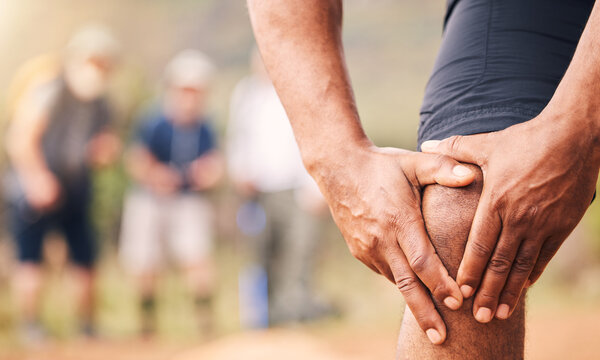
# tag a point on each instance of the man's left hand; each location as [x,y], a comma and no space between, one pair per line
[539,179]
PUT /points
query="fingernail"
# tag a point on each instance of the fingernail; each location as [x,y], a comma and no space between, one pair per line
[461,170]
[502,311]
[466,291]
[452,303]
[429,145]
[434,336]
[483,315]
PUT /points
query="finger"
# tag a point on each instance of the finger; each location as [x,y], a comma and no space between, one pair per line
[481,243]
[519,274]
[462,148]
[424,261]
[495,276]
[374,265]
[417,298]
[547,252]
[424,169]
[377,271]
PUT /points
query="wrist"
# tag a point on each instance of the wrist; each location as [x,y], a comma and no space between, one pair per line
[579,104]
[318,156]
[580,120]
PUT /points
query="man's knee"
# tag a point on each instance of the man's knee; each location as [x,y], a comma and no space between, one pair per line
[448,214]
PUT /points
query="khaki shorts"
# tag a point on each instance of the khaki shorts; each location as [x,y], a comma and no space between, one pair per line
[180,225]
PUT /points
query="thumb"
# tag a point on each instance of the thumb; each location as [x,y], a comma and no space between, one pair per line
[462,148]
[438,169]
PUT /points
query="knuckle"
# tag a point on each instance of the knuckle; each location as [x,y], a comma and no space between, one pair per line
[440,160]
[454,143]
[407,283]
[440,291]
[510,296]
[424,318]
[524,262]
[499,265]
[357,254]
[401,223]
[523,217]
[419,263]
[480,249]
[366,245]
[486,298]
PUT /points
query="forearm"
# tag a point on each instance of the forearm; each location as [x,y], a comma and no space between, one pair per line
[26,157]
[578,94]
[301,45]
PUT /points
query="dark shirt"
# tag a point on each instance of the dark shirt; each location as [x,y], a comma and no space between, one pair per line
[499,63]
[176,146]
[72,123]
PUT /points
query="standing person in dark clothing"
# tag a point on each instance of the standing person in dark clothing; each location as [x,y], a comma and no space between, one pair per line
[515,92]
[59,130]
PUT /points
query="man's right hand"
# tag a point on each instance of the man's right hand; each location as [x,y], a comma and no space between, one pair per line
[375,197]
[163,179]
[374,194]
[42,190]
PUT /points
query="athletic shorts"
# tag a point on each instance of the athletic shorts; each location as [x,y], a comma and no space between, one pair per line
[29,228]
[179,225]
[499,63]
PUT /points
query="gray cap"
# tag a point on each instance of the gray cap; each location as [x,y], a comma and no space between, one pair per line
[93,40]
[190,68]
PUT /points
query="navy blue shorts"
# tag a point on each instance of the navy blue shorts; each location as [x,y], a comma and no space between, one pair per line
[29,228]
[499,63]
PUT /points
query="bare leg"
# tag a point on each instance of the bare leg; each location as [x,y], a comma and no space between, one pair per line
[27,285]
[84,279]
[146,286]
[448,214]
[200,278]
[200,281]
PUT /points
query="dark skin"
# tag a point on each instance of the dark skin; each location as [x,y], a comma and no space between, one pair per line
[448,214]
[539,178]
[375,194]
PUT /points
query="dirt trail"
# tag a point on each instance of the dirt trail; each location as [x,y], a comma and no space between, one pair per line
[551,335]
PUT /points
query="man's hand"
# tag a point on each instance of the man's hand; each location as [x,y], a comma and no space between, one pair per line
[375,198]
[104,149]
[539,179]
[163,179]
[205,172]
[42,190]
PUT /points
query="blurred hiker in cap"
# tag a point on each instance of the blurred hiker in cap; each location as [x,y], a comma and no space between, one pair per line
[174,162]
[60,129]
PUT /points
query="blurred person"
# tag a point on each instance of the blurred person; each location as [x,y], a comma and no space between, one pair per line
[266,168]
[174,162]
[60,129]
[514,91]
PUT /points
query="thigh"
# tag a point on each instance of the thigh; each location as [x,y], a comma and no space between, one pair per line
[139,242]
[190,229]
[79,234]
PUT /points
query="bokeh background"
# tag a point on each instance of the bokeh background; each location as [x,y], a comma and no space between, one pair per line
[391,47]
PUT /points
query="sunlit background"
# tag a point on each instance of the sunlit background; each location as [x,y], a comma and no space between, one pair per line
[391,47]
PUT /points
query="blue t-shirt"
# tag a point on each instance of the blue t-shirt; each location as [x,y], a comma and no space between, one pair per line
[173,145]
